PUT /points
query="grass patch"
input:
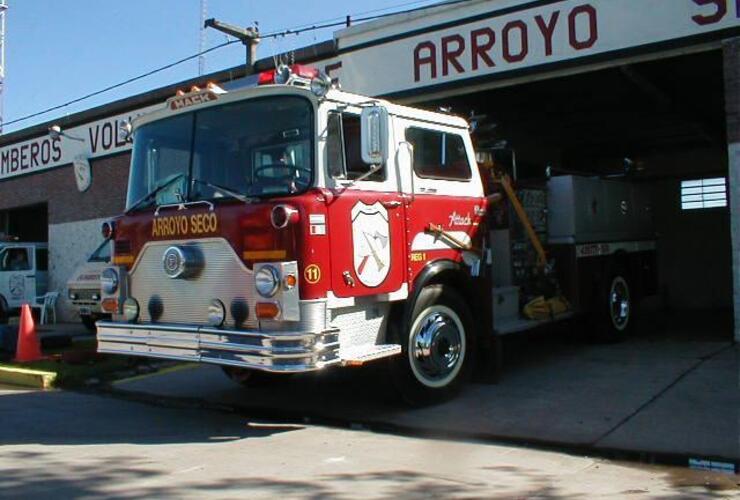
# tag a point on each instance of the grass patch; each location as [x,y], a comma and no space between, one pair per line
[79,373]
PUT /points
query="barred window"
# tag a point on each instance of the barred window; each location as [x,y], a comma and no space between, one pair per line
[704,193]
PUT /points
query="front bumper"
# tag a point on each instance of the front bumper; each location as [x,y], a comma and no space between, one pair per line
[288,352]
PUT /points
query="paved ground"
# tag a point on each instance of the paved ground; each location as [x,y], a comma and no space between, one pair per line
[69,445]
[671,390]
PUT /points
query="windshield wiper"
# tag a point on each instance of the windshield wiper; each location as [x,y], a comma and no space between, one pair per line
[225,190]
[152,194]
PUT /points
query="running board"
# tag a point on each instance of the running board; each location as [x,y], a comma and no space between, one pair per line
[357,356]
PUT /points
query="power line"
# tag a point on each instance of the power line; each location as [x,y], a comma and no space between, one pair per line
[330,23]
[343,19]
[120,84]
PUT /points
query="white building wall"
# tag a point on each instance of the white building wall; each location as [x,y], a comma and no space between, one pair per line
[732,105]
[70,244]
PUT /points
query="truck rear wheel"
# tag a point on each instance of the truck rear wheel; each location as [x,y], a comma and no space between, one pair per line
[436,347]
[616,308]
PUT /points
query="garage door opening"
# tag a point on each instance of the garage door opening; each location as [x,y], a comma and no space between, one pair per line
[659,123]
[29,223]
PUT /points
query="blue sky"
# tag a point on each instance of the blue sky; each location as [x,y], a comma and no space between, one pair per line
[57,51]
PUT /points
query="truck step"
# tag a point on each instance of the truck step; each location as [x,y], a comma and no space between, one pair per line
[357,356]
[506,303]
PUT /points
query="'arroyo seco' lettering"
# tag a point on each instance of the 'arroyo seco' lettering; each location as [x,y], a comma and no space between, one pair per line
[183,225]
[515,38]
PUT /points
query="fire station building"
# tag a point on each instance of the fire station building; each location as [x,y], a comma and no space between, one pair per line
[648,89]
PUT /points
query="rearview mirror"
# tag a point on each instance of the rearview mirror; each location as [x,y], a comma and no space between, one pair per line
[374,135]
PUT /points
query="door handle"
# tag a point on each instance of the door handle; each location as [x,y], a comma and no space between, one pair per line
[391,204]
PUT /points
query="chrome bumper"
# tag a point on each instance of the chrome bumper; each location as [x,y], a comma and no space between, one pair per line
[288,352]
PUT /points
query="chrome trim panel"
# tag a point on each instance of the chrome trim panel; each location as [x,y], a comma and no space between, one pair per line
[223,276]
[296,351]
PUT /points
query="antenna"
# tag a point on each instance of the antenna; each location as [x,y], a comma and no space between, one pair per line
[202,39]
[3,9]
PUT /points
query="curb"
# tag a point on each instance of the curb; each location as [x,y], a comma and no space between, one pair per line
[169,369]
[25,377]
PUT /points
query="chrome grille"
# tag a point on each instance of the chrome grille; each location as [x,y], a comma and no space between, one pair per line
[223,276]
[85,294]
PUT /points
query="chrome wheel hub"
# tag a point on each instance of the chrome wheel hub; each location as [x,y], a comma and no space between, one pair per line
[619,303]
[437,346]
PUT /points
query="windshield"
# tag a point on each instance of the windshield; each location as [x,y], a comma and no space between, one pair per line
[259,147]
[102,253]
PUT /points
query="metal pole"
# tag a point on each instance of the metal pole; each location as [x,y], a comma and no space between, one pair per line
[3,9]
[202,39]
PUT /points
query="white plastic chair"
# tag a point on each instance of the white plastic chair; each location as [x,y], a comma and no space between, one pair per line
[47,304]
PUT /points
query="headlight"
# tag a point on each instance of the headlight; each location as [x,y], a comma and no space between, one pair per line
[109,280]
[267,281]
[131,310]
[96,296]
[72,295]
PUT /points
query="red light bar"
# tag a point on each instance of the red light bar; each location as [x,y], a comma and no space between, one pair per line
[299,70]
[266,77]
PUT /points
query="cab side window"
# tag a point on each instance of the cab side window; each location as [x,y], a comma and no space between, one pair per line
[439,155]
[15,259]
[344,154]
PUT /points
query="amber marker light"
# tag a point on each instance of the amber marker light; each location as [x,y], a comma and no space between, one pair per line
[267,310]
[289,281]
[109,305]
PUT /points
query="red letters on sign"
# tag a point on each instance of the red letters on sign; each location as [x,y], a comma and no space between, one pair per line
[593,28]
[480,50]
[430,58]
[720,10]
[510,40]
[547,29]
[450,56]
[507,36]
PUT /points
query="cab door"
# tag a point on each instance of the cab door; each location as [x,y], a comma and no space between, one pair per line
[365,217]
[17,279]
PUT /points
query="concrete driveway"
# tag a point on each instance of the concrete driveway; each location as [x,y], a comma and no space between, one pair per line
[669,392]
[61,444]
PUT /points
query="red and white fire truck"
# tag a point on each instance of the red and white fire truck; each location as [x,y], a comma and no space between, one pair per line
[290,226]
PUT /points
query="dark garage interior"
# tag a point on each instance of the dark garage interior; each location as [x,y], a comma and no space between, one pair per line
[659,122]
[28,223]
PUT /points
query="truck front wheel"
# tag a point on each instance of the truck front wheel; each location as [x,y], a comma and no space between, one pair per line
[437,347]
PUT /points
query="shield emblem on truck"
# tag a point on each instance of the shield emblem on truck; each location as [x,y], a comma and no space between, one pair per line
[371,243]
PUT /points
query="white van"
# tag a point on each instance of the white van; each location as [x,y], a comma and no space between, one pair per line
[24,275]
[83,288]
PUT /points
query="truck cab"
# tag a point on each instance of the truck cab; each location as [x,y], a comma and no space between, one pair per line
[292,226]
[23,275]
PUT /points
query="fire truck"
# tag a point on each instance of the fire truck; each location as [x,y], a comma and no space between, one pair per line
[289,226]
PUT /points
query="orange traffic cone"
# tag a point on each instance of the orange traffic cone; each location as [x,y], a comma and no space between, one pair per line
[29,347]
